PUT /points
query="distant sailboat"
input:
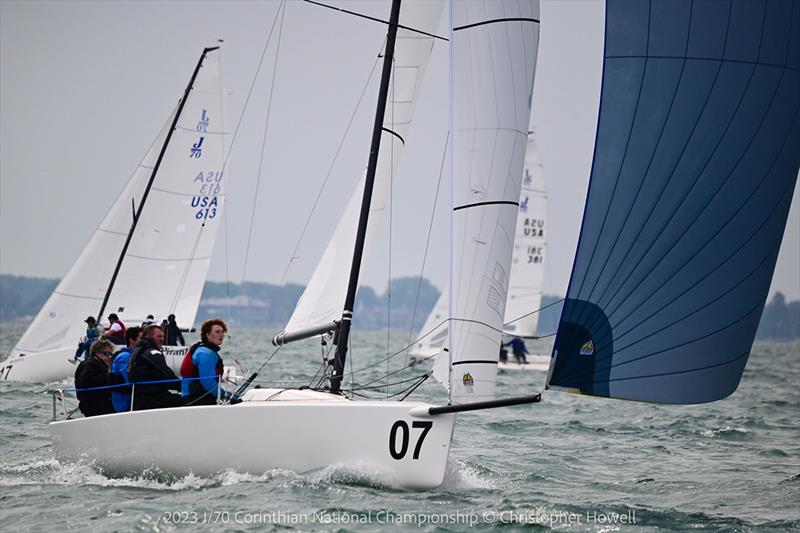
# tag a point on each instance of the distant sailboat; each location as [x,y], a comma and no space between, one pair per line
[151,252]
[526,278]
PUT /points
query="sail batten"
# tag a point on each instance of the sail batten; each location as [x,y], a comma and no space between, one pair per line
[696,161]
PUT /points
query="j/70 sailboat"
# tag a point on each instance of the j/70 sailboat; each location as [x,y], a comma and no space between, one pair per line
[151,252]
[696,157]
[303,429]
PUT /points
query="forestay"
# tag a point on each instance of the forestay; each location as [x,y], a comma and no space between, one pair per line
[493,59]
[165,266]
[696,159]
[323,299]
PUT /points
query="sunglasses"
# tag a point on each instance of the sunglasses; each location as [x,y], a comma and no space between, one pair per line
[107,354]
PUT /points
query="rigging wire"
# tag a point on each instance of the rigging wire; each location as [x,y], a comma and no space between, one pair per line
[225,211]
[374,19]
[427,242]
[391,212]
[233,141]
[264,139]
[442,323]
[293,256]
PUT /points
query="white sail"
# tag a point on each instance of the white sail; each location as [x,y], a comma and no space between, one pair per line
[527,267]
[493,60]
[433,335]
[165,266]
[530,242]
[323,299]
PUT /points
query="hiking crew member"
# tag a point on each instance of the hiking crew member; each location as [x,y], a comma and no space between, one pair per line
[147,363]
[92,334]
[93,372]
[118,371]
[203,361]
[174,335]
[116,331]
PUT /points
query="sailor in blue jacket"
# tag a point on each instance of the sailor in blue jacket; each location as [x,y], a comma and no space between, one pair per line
[118,371]
[203,361]
[519,349]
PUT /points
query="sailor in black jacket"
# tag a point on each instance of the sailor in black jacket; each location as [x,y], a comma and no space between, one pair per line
[93,372]
[148,364]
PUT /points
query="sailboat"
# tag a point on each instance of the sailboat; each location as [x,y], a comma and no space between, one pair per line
[696,157]
[526,278]
[151,252]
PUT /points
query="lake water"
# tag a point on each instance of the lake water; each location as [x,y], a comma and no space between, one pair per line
[571,463]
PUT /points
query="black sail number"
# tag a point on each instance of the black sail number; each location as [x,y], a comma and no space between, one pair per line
[402,427]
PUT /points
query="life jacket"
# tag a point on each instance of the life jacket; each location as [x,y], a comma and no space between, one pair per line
[190,370]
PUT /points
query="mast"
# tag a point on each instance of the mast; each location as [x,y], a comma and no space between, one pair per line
[138,211]
[377,129]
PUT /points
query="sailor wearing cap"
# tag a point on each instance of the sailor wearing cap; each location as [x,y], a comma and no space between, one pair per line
[92,334]
[116,331]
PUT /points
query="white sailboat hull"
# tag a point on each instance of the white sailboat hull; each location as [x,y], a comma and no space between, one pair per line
[42,367]
[535,362]
[54,365]
[301,432]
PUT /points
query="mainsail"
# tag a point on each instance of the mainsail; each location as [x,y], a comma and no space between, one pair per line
[493,59]
[323,298]
[166,262]
[695,163]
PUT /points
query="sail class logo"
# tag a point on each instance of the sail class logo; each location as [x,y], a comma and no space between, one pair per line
[202,124]
[197,149]
[587,348]
[468,381]
[528,179]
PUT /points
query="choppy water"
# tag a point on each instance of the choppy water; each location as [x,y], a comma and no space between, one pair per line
[568,463]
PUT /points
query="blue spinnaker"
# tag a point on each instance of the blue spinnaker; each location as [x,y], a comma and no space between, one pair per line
[695,163]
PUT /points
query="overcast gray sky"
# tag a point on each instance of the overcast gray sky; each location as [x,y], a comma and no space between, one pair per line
[84,87]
